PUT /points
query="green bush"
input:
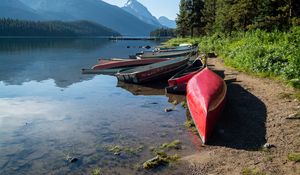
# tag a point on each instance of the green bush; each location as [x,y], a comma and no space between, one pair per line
[272,54]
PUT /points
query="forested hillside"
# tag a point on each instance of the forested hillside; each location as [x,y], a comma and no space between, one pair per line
[226,16]
[163,32]
[11,27]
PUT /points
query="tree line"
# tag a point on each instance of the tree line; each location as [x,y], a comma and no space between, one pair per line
[14,27]
[198,17]
[163,32]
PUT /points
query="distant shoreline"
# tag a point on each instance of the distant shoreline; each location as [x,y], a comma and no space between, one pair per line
[58,37]
[88,37]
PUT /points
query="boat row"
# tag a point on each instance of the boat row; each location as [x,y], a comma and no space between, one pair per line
[205,91]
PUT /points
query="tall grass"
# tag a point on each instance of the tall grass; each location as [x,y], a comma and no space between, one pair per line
[271,54]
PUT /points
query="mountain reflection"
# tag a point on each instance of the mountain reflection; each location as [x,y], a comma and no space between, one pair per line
[23,60]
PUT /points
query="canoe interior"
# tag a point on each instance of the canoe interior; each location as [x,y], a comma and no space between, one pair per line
[101,71]
[155,65]
[220,96]
[150,54]
[176,89]
[127,63]
[195,66]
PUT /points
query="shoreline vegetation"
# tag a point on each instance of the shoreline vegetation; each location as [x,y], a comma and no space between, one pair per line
[25,28]
[266,54]
[261,38]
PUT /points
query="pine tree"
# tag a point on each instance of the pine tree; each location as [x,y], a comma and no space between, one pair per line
[209,15]
[243,13]
[197,17]
[182,20]
[223,20]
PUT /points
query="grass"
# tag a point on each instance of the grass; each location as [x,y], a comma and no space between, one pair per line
[184,104]
[191,125]
[249,171]
[295,116]
[297,95]
[96,171]
[295,157]
[268,54]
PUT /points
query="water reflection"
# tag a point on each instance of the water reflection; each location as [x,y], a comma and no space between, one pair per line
[145,89]
[42,122]
[23,60]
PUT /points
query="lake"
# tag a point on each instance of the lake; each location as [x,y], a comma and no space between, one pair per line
[54,120]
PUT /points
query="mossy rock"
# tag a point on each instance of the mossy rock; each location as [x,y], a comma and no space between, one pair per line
[176,144]
[294,157]
[160,160]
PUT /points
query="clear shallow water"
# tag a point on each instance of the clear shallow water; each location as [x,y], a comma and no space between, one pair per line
[49,111]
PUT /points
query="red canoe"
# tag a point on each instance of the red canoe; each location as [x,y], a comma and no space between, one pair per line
[177,83]
[126,63]
[206,93]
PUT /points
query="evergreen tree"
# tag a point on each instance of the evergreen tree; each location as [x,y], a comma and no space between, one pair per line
[197,17]
[182,20]
[12,27]
[223,20]
[243,13]
[209,15]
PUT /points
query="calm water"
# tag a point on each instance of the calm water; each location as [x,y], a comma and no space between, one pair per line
[49,112]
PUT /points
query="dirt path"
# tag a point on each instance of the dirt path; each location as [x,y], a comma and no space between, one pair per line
[256,113]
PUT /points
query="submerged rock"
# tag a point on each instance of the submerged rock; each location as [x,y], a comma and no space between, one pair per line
[169,110]
[154,162]
[159,160]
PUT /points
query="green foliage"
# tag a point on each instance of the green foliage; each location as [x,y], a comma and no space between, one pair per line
[227,16]
[191,125]
[11,27]
[160,159]
[176,144]
[294,157]
[272,54]
[163,32]
[96,171]
[117,149]
[248,171]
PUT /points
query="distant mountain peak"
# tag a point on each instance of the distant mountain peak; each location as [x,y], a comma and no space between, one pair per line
[140,11]
[167,22]
[130,2]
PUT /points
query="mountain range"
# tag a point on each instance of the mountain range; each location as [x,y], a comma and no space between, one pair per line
[140,11]
[167,22]
[137,9]
[132,19]
[18,10]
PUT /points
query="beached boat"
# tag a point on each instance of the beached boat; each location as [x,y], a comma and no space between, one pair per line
[167,54]
[206,93]
[154,71]
[176,48]
[178,83]
[118,63]
[111,72]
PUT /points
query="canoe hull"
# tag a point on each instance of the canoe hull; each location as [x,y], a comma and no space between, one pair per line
[178,83]
[206,96]
[164,54]
[152,73]
[109,64]
[182,80]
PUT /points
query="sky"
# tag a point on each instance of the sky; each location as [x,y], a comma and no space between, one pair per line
[168,8]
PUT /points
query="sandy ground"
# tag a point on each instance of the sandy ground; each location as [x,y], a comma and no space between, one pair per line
[256,113]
